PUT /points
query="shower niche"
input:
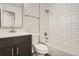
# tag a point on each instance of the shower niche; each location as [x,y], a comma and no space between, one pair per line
[11,15]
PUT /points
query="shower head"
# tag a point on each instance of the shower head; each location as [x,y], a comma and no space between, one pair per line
[47,11]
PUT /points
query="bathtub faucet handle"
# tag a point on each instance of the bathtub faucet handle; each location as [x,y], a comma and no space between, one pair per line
[45,34]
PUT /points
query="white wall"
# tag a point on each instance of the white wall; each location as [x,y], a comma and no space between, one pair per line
[64,27]
[32,24]
[44,21]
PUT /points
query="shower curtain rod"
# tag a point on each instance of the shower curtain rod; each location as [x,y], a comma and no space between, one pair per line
[32,16]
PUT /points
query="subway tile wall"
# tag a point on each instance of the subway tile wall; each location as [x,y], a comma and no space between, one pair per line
[64,26]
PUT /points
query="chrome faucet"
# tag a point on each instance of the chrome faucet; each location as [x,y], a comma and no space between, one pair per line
[12,30]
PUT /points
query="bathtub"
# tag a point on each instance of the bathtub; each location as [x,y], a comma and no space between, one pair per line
[56,51]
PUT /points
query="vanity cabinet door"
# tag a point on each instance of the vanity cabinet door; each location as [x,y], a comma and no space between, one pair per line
[23,46]
[23,50]
[6,52]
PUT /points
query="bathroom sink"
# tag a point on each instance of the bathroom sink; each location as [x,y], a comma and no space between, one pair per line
[17,33]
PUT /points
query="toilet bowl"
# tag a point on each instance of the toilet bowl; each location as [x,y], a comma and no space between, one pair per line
[40,49]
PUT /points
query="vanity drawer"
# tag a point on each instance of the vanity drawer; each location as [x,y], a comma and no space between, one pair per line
[6,52]
[12,41]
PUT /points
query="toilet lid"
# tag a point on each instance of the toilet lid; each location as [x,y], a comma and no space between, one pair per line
[41,47]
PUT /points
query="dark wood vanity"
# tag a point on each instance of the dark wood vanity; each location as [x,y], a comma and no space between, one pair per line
[16,46]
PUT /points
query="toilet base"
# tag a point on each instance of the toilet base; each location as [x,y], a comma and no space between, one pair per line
[38,54]
[40,50]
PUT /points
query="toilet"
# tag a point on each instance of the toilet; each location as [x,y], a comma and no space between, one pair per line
[40,49]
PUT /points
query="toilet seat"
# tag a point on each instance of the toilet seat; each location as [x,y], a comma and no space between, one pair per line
[41,48]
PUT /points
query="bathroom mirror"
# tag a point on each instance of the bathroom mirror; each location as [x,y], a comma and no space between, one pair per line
[8,18]
[11,15]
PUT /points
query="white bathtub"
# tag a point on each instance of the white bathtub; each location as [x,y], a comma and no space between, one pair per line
[56,51]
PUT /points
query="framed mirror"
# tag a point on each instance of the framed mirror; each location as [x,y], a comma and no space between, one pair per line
[8,19]
[11,15]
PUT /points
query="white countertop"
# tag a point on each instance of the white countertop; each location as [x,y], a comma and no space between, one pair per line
[18,33]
